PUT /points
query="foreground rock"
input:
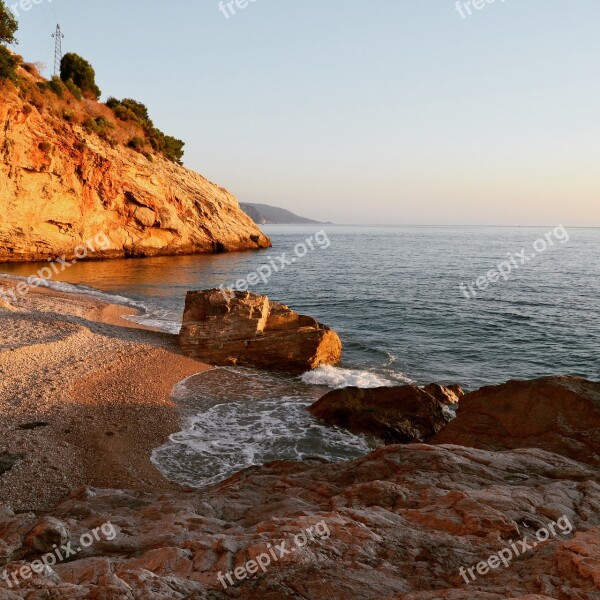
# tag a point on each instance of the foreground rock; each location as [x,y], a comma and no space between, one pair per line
[558,414]
[399,523]
[238,328]
[62,187]
[394,414]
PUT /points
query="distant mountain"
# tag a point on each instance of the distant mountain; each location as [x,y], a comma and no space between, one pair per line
[263,214]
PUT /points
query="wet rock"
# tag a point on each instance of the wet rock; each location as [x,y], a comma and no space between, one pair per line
[394,414]
[238,328]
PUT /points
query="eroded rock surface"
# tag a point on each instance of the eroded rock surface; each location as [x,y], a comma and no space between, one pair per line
[239,328]
[394,414]
[558,414]
[401,521]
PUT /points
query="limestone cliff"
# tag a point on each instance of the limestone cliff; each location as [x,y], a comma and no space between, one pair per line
[62,185]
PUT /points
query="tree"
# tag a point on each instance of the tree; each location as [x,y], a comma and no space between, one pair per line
[8,65]
[8,25]
[78,70]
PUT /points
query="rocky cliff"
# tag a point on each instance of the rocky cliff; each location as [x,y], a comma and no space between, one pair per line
[62,185]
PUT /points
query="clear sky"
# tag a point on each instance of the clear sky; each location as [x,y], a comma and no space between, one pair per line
[362,111]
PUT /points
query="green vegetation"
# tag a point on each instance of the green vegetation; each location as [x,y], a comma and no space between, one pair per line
[77,70]
[8,64]
[101,127]
[132,110]
[8,27]
[74,89]
[136,143]
[78,76]
[54,85]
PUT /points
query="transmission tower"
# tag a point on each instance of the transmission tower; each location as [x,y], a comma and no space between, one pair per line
[58,38]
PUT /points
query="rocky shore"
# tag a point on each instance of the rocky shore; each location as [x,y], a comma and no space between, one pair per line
[512,511]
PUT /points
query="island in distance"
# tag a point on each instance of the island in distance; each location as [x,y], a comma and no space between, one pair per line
[263,214]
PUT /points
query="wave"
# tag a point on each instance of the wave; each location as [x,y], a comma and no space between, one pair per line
[336,377]
[155,318]
[236,435]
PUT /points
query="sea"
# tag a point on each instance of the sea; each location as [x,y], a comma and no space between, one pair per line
[473,306]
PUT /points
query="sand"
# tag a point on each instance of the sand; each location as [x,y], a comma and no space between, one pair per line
[101,385]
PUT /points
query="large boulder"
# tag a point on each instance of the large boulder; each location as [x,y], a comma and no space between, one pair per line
[558,414]
[223,327]
[394,414]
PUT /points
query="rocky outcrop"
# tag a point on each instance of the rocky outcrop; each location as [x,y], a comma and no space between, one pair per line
[62,187]
[394,414]
[399,523]
[223,327]
[558,414]
[445,394]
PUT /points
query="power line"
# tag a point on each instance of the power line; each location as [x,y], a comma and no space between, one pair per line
[58,38]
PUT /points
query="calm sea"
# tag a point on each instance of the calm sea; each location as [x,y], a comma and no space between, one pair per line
[394,296]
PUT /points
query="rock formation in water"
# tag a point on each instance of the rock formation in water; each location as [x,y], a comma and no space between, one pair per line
[63,186]
[557,414]
[223,327]
[396,415]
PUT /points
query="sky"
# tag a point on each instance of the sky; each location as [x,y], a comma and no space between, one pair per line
[396,112]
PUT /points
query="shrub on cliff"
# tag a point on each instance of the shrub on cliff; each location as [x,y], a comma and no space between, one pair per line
[8,65]
[78,70]
[136,143]
[54,85]
[132,110]
[8,25]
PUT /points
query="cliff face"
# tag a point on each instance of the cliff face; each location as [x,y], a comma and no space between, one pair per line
[61,186]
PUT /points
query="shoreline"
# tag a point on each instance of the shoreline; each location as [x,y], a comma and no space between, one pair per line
[85,396]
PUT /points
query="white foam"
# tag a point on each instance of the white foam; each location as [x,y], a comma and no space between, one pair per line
[155,319]
[235,435]
[70,288]
[152,319]
[335,377]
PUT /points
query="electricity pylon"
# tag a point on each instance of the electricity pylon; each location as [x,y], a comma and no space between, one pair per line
[58,37]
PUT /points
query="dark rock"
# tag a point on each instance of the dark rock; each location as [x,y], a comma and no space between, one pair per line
[394,414]
[8,461]
[35,425]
